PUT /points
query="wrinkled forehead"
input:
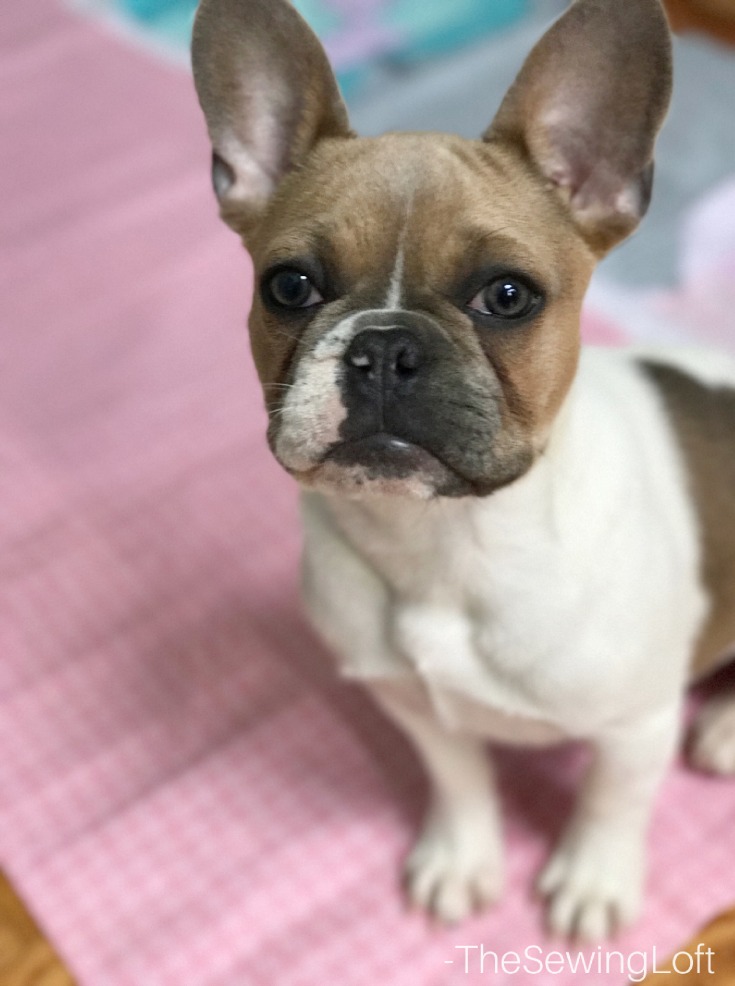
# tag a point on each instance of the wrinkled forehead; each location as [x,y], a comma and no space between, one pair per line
[441,203]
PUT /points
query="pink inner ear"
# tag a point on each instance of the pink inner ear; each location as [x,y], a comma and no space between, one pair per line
[574,163]
[570,150]
[574,135]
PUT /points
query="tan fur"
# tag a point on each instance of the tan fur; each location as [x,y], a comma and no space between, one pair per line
[704,418]
[454,198]
[546,192]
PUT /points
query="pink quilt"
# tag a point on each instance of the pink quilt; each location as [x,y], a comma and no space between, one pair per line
[187,795]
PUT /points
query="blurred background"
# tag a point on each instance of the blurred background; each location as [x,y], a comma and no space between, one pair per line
[187,797]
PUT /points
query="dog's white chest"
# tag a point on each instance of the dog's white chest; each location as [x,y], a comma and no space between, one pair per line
[548,607]
[453,656]
[467,621]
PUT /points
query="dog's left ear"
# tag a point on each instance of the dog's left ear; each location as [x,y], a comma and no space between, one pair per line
[587,107]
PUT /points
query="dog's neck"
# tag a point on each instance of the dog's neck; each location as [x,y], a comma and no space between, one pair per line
[562,512]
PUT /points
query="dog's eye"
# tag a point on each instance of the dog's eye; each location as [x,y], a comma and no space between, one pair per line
[506,298]
[290,288]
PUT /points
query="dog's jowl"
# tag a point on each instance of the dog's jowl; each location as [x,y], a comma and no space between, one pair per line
[508,537]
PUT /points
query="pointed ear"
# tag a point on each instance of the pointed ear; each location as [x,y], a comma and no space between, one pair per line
[587,107]
[268,95]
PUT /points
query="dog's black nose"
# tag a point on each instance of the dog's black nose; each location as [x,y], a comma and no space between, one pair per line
[383,360]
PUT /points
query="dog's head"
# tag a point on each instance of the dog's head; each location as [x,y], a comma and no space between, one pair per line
[416,318]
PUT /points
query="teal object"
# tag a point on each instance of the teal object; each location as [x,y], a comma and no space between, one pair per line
[323,18]
[352,80]
[151,10]
[358,34]
[433,27]
[167,22]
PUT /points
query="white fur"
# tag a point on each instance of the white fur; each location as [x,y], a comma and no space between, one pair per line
[312,411]
[565,605]
[393,300]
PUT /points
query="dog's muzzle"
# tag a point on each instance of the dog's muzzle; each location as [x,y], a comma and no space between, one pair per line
[382,369]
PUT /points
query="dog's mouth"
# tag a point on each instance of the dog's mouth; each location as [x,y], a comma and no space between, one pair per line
[385,455]
[386,464]
[382,463]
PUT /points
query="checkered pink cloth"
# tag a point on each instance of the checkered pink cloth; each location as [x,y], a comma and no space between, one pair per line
[187,796]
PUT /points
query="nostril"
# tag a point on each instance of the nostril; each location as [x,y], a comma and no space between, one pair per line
[384,356]
[406,361]
[404,358]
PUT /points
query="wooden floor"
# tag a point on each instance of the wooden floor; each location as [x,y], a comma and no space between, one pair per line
[26,958]
[714,17]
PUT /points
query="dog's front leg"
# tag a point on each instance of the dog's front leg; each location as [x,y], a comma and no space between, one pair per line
[456,865]
[594,880]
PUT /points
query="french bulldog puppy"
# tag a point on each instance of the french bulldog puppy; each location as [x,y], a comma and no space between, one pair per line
[507,537]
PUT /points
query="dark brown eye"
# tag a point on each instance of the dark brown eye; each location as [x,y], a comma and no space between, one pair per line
[506,298]
[291,289]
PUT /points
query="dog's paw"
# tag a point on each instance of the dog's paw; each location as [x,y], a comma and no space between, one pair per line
[593,885]
[455,868]
[713,738]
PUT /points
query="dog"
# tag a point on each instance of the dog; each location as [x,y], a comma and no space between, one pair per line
[508,537]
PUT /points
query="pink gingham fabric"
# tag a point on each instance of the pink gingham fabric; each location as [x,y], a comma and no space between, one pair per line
[188,796]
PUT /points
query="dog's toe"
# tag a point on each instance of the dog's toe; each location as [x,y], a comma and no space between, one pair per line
[593,889]
[454,870]
[713,737]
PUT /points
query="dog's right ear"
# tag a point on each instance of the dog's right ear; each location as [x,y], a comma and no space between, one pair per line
[268,94]
[587,107]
